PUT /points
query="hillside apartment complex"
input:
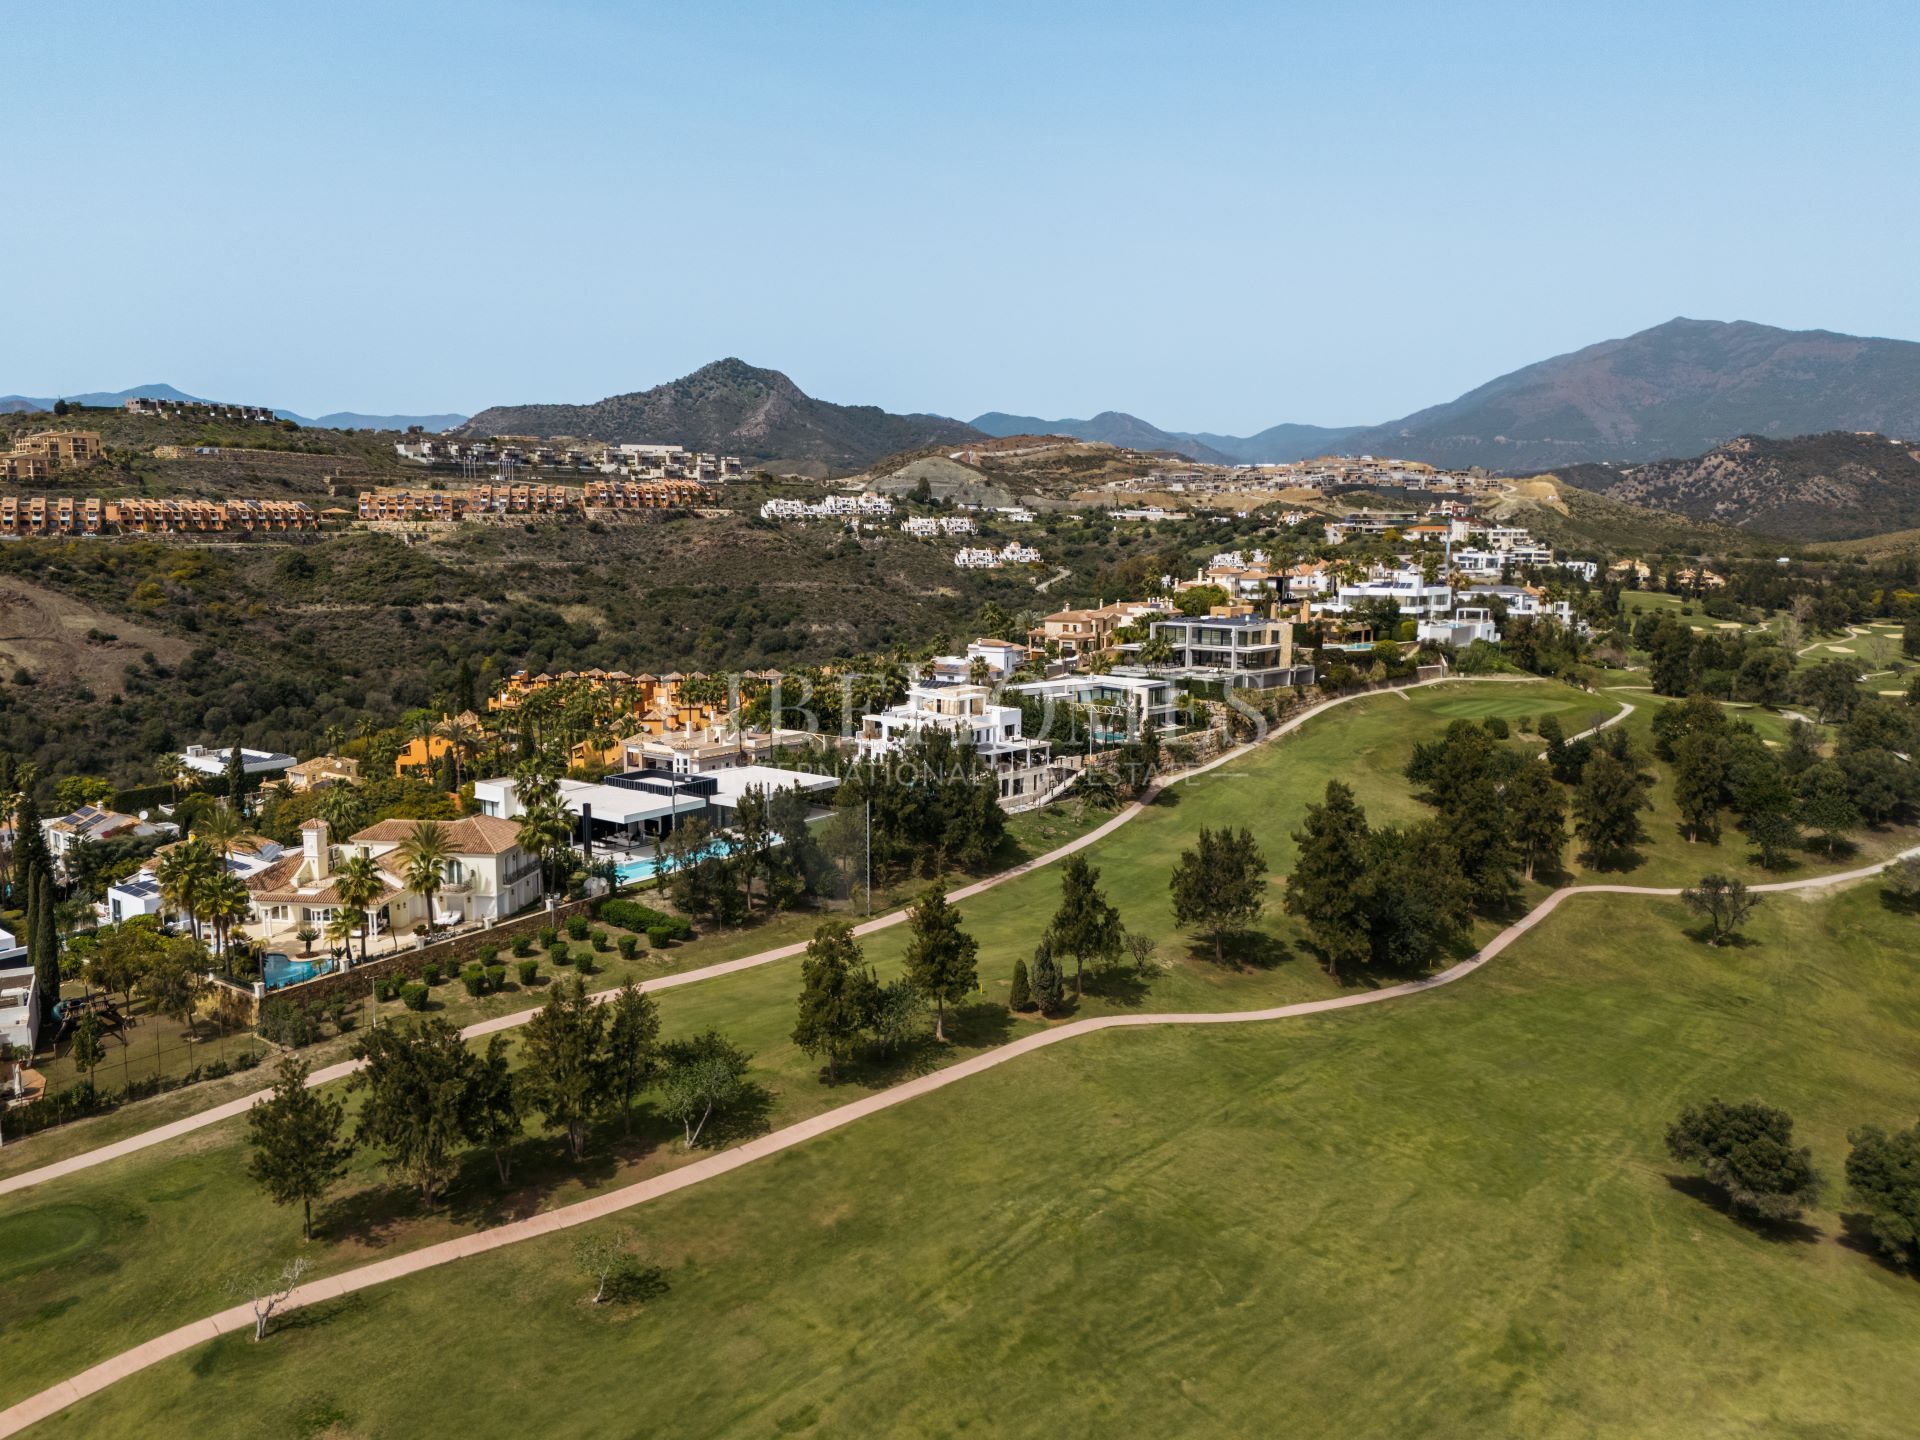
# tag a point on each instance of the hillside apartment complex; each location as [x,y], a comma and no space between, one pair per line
[489,501]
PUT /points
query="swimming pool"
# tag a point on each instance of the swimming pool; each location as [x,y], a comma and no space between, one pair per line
[278,969]
[645,867]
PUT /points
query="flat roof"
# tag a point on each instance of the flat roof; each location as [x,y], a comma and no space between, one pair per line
[737,781]
[617,805]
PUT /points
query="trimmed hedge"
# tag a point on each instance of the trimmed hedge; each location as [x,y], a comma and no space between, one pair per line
[413,996]
[632,915]
[529,971]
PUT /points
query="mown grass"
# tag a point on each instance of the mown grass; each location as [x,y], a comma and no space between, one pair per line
[1447,1216]
[194,1201]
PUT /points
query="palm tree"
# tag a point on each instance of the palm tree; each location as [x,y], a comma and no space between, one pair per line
[186,874]
[172,769]
[358,884]
[225,904]
[333,737]
[462,738]
[426,852]
[341,927]
[220,827]
[546,830]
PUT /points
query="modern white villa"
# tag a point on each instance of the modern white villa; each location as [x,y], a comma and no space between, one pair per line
[1023,767]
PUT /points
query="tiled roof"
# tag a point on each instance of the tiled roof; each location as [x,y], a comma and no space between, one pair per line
[471,835]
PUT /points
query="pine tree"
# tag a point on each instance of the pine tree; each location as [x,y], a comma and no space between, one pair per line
[298,1147]
[1085,926]
[1220,885]
[940,957]
[837,996]
[1049,986]
[1325,887]
[44,949]
[1020,997]
[1539,813]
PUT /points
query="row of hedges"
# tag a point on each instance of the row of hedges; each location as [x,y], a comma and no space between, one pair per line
[81,1099]
[643,919]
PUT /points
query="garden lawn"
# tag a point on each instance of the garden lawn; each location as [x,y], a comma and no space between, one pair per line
[1445,1216]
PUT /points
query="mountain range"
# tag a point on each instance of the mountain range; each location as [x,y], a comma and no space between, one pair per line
[1677,389]
[1837,486]
[731,407]
[338,420]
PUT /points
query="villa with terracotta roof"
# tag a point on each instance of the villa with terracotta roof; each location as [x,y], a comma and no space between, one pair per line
[488,877]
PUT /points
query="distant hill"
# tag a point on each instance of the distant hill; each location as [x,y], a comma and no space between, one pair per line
[1109,427]
[733,408]
[1677,389]
[352,420]
[1834,486]
[16,404]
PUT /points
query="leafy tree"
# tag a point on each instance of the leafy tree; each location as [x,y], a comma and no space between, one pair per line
[632,1050]
[1613,791]
[941,957]
[1831,688]
[1020,995]
[703,1075]
[1049,985]
[1746,1151]
[1826,805]
[1323,890]
[1901,882]
[837,994]
[418,1081]
[607,1260]
[1537,810]
[564,1061]
[1883,1172]
[1414,897]
[86,1051]
[176,979]
[1725,903]
[298,1146]
[1220,885]
[1086,926]
[898,1013]
[1699,784]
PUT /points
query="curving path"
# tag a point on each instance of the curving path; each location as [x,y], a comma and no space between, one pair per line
[240,1317]
[173,1130]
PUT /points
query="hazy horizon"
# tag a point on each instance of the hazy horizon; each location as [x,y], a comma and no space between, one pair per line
[1241,217]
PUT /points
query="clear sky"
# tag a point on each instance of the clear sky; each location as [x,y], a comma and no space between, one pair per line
[1217,216]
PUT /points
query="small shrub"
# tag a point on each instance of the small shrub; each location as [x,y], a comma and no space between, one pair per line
[577,927]
[629,946]
[475,979]
[632,915]
[1496,726]
[659,936]
[600,941]
[286,1022]
[559,954]
[547,936]
[583,962]
[496,978]
[523,945]
[413,996]
[488,954]
[529,971]
[430,974]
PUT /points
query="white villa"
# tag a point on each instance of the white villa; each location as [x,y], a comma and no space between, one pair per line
[487,877]
[1022,766]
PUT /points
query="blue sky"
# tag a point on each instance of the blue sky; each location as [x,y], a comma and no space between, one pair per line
[1217,216]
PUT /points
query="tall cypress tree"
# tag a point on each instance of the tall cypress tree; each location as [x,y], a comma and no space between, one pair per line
[44,947]
[237,779]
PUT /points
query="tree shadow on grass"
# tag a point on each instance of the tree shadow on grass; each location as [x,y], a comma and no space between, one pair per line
[1734,940]
[1246,950]
[1122,985]
[1856,1234]
[980,1025]
[1899,904]
[750,1115]
[1695,1187]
